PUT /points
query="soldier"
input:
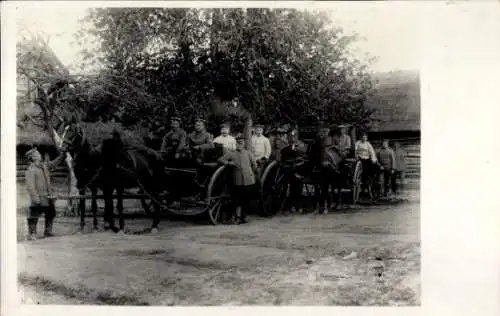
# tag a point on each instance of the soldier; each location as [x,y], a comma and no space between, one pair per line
[40,191]
[343,141]
[291,157]
[200,136]
[243,176]
[387,160]
[175,140]
[279,142]
[364,151]
[261,147]
[225,139]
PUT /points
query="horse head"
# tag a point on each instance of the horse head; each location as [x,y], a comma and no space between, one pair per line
[74,140]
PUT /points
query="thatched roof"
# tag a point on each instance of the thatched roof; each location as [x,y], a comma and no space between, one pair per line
[31,135]
[396,102]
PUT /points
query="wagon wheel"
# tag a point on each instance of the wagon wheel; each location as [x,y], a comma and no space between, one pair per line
[376,187]
[273,189]
[218,198]
[356,182]
[148,203]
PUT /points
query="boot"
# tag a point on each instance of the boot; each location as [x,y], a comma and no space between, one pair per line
[48,228]
[32,228]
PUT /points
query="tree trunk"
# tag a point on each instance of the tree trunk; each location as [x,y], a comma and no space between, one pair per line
[72,184]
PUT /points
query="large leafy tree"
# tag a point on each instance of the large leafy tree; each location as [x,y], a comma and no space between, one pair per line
[283,65]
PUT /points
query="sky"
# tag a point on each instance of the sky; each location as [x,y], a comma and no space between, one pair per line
[391,34]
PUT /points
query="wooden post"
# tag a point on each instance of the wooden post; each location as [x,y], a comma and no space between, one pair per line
[353,137]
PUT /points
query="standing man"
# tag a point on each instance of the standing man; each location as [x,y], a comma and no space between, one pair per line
[244,169]
[40,191]
[400,167]
[387,161]
[261,147]
[292,158]
[175,140]
[225,139]
[364,151]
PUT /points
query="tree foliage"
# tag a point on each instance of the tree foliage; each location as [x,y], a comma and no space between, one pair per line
[285,66]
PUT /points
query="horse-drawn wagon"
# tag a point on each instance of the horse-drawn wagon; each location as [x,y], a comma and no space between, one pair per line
[275,182]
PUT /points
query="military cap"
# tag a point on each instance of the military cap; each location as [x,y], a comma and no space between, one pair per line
[280,130]
[258,126]
[175,118]
[225,125]
[239,136]
[199,119]
[30,153]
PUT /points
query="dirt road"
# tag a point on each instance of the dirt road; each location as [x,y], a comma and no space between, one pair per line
[356,256]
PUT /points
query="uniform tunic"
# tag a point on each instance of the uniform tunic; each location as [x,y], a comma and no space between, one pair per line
[343,142]
[200,138]
[228,142]
[261,147]
[387,158]
[244,166]
[364,150]
[174,142]
[38,181]
[278,143]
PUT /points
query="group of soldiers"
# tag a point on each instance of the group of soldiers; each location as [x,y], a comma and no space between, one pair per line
[284,146]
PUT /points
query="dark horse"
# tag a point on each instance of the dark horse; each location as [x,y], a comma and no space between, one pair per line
[326,171]
[111,167]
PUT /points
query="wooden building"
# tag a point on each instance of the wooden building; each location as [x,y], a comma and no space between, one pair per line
[396,115]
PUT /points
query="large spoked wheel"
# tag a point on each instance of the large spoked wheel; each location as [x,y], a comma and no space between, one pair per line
[218,197]
[376,187]
[356,182]
[273,189]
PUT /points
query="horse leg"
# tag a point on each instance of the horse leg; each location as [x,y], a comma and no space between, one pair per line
[108,208]
[81,206]
[94,207]
[119,207]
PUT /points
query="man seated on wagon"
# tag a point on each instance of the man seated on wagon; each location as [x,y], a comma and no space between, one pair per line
[175,141]
[199,139]
[292,157]
[366,154]
[343,141]
[225,139]
[279,141]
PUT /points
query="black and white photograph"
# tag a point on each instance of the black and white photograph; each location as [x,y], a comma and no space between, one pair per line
[218,156]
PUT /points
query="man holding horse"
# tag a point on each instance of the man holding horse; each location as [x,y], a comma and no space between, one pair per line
[175,140]
[40,191]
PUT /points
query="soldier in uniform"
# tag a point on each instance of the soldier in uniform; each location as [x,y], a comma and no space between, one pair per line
[291,157]
[225,138]
[261,147]
[343,141]
[244,169]
[40,191]
[279,142]
[199,136]
[175,141]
